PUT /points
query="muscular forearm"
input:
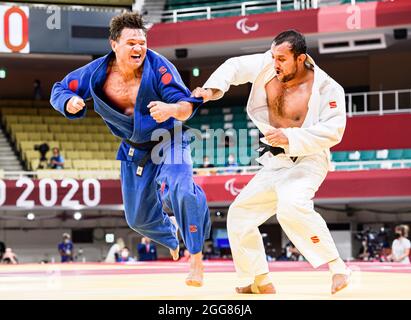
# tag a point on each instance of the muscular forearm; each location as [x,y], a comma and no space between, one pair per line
[183,110]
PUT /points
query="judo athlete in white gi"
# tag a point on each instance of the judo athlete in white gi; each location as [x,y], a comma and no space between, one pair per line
[301,112]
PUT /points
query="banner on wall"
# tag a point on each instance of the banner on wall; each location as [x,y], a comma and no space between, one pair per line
[339,187]
[14,29]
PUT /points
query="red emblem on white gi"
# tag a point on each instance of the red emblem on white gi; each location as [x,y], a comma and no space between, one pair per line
[315,239]
[333,104]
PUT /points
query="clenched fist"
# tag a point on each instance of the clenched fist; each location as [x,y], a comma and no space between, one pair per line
[161,111]
[75,104]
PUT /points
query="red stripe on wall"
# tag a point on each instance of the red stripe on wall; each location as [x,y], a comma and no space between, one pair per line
[396,12]
[224,189]
[225,29]
[347,17]
[363,184]
[376,132]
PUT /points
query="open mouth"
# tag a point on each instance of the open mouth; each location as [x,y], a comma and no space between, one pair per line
[136,57]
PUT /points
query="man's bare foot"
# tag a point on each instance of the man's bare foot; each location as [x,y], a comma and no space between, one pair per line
[253,288]
[340,281]
[175,254]
[195,276]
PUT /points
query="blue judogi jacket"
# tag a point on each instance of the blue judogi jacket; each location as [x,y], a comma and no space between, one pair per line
[160,82]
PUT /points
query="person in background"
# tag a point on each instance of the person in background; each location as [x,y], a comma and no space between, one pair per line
[206,163]
[401,245]
[114,252]
[66,248]
[2,249]
[231,162]
[57,160]
[37,90]
[10,257]
[125,255]
[146,250]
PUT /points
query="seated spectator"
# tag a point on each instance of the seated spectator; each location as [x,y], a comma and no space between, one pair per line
[9,257]
[231,162]
[57,160]
[206,163]
[146,250]
[114,253]
[401,245]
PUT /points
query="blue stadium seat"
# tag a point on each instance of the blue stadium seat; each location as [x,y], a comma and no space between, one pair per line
[395,154]
[339,156]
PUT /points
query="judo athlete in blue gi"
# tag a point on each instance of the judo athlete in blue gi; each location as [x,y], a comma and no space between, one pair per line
[137,92]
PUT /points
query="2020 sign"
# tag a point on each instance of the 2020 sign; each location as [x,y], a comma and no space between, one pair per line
[14,29]
[49,193]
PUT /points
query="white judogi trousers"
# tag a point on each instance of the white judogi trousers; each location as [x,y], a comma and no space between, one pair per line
[284,188]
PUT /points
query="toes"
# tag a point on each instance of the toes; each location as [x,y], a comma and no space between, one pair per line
[245,290]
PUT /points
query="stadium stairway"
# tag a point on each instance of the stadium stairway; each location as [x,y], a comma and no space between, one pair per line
[8,159]
[154,9]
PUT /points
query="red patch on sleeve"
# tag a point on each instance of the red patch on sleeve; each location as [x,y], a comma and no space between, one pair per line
[193,228]
[73,85]
[333,104]
[166,78]
[162,70]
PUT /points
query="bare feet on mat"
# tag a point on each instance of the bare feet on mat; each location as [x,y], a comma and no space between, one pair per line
[253,288]
[175,254]
[195,276]
[339,282]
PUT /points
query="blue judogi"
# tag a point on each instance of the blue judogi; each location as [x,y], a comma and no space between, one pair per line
[165,186]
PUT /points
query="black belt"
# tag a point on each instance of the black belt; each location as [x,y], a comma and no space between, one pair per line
[148,146]
[274,151]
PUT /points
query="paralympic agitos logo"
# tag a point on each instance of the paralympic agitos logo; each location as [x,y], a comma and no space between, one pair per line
[229,186]
[242,26]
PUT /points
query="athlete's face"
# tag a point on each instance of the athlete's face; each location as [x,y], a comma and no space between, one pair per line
[130,48]
[285,63]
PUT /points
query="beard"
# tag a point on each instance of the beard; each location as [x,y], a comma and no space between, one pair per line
[288,77]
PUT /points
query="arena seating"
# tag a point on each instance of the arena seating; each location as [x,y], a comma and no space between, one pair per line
[88,146]
[112,3]
[28,126]
[228,8]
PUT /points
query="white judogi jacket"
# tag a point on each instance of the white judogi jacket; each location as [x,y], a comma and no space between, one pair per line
[325,121]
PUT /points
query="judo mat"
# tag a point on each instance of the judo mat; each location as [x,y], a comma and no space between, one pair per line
[165,280]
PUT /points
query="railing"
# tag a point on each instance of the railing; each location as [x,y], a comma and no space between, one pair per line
[241,170]
[362,165]
[378,102]
[244,7]
[56,174]
[226,170]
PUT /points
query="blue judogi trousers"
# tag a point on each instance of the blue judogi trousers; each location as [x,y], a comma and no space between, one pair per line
[166,187]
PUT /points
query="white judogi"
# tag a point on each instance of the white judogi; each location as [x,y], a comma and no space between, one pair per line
[283,186]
